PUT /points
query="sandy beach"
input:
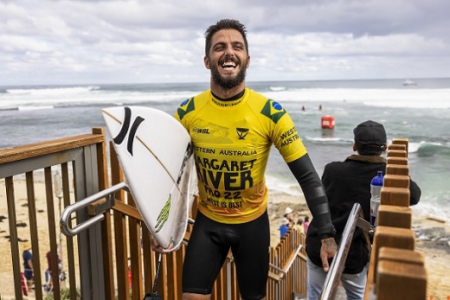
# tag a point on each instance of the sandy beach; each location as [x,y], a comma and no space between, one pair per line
[432,236]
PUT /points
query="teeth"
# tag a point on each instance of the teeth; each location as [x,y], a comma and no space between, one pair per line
[229,64]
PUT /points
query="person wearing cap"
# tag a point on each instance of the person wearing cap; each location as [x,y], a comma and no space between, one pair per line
[284,227]
[28,264]
[288,214]
[346,183]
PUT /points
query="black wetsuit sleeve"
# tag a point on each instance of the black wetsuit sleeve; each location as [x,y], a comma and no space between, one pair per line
[314,192]
[414,193]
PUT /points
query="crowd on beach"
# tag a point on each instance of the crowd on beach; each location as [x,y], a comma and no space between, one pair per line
[291,220]
[28,270]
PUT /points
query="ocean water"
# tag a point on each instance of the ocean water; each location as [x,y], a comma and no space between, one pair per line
[420,113]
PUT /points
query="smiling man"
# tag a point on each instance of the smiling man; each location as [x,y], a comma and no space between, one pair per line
[232,129]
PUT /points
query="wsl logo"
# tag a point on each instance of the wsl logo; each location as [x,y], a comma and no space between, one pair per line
[125,126]
[242,133]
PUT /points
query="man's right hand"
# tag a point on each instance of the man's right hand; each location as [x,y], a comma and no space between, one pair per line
[157,247]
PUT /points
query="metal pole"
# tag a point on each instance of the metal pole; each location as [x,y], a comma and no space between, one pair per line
[228,280]
[337,266]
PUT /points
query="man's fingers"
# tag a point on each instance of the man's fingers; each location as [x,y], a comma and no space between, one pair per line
[324,257]
[157,247]
[327,251]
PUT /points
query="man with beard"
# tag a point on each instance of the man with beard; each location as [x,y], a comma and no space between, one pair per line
[232,130]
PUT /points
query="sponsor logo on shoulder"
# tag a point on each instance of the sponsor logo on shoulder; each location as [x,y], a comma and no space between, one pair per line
[201,130]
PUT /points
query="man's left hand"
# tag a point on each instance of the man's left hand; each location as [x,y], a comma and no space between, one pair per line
[327,251]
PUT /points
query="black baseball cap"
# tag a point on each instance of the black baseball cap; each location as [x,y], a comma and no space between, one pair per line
[370,137]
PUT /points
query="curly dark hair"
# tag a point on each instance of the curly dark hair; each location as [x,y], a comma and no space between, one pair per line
[224,24]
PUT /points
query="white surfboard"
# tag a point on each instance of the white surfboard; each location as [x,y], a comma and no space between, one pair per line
[155,153]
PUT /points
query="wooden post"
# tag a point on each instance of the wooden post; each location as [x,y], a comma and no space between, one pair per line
[394,216]
[390,237]
[397,280]
[394,160]
[397,170]
[399,181]
[394,196]
[397,153]
[401,147]
[401,141]
[401,256]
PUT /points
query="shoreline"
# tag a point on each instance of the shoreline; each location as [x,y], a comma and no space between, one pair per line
[432,235]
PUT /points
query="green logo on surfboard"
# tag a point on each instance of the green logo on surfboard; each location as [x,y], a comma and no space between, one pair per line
[163,215]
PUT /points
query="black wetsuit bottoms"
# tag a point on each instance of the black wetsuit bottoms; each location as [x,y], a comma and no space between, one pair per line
[209,245]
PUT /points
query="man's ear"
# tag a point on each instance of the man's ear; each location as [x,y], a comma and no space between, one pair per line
[354,147]
[384,148]
[206,61]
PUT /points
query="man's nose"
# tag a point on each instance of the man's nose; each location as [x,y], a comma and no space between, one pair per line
[229,50]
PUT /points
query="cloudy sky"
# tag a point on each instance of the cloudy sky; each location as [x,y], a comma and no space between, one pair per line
[89,41]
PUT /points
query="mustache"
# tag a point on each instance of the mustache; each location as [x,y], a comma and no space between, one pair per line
[229,58]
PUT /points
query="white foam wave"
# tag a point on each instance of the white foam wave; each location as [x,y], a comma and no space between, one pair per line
[277,185]
[413,98]
[414,147]
[86,96]
[52,91]
[328,139]
[430,208]
[277,88]
[35,107]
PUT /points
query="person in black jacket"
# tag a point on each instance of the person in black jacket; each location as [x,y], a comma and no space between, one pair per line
[347,183]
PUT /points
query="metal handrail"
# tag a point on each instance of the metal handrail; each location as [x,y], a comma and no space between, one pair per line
[288,266]
[356,218]
[65,216]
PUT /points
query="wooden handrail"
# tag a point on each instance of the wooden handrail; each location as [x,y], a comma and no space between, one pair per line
[49,147]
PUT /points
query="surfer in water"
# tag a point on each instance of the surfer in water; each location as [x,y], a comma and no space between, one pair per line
[237,127]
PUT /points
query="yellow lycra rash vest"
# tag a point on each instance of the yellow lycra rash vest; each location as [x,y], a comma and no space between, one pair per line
[232,142]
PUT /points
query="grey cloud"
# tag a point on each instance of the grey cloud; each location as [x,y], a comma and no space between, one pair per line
[288,39]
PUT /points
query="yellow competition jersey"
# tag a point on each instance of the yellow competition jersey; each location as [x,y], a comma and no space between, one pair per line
[232,141]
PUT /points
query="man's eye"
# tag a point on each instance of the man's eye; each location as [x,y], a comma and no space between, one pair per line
[218,48]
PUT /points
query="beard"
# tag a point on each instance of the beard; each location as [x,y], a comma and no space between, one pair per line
[228,82]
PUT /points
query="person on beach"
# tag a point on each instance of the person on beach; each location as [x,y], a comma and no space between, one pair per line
[284,227]
[28,265]
[233,129]
[306,224]
[290,216]
[299,226]
[347,183]
[49,279]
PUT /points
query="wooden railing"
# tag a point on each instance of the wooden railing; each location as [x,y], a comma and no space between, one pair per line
[396,270]
[112,258]
[80,162]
